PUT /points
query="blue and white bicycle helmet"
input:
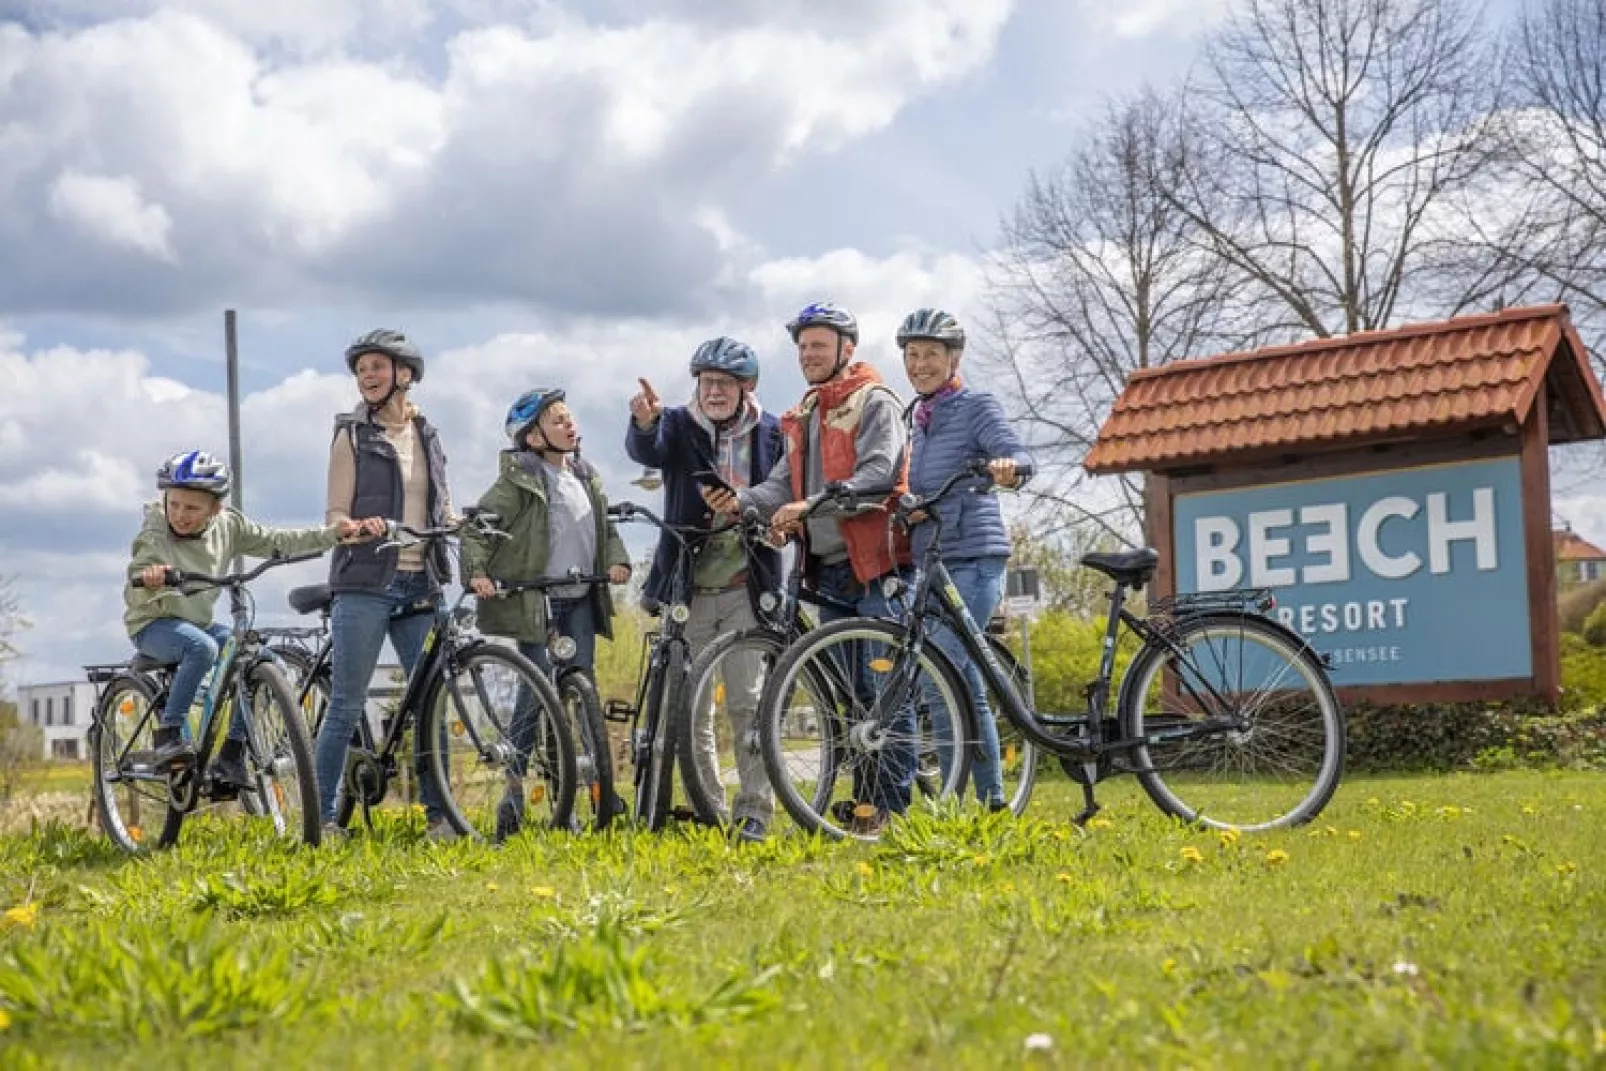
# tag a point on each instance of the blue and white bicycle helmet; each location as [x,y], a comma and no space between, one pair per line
[933,324]
[393,344]
[194,470]
[527,410]
[825,314]
[726,355]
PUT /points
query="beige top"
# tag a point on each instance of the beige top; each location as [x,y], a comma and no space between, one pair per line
[403,438]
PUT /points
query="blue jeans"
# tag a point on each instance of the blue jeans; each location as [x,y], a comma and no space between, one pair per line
[359,621]
[195,649]
[887,779]
[570,617]
[981,585]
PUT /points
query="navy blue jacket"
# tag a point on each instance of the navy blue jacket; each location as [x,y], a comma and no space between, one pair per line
[678,446]
[966,425]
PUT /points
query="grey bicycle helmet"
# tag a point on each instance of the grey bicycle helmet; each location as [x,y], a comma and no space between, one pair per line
[393,344]
[726,355]
[194,470]
[933,324]
[825,314]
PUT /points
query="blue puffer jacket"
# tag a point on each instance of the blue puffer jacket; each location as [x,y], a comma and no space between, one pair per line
[965,425]
[678,446]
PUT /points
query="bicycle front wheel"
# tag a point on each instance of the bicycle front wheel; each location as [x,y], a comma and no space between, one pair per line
[721,760]
[1017,756]
[655,772]
[280,757]
[593,754]
[131,799]
[496,744]
[850,717]
[1243,730]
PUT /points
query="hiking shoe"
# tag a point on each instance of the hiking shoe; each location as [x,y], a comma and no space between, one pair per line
[841,813]
[748,830]
[169,748]
[996,805]
[441,832]
[229,766]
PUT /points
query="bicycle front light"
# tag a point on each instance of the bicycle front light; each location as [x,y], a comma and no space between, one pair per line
[769,602]
[564,648]
[679,613]
[892,586]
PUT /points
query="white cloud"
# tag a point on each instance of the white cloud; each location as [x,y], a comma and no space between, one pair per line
[111,209]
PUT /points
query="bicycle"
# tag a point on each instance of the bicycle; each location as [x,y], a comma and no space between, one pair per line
[781,623]
[659,706]
[582,707]
[484,713]
[1227,717]
[247,682]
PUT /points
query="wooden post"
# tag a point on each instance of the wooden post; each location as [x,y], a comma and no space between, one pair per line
[1535,464]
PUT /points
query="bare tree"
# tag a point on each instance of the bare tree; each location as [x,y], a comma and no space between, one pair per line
[1099,275]
[12,621]
[1332,137]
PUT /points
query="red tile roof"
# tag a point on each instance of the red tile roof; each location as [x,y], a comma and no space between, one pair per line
[1424,380]
[1572,547]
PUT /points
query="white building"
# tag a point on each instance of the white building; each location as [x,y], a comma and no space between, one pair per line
[62,711]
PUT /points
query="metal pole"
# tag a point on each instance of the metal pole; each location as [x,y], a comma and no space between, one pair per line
[1026,659]
[231,349]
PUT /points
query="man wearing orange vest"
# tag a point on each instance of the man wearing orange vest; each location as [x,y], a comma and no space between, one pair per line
[848,432]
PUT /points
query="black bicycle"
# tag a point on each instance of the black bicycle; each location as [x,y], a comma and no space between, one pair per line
[247,683]
[1227,717]
[728,677]
[490,736]
[577,691]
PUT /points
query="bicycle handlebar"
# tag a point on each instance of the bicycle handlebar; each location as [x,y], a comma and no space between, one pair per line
[546,583]
[483,521]
[977,468]
[178,578]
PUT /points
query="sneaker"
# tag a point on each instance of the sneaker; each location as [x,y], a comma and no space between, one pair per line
[996,805]
[229,766]
[441,832]
[869,820]
[169,748]
[748,830]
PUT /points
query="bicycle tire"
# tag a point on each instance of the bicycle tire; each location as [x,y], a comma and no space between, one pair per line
[655,784]
[1216,780]
[286,745]
[706,785]
[809,664]
[125,718]
[593,753]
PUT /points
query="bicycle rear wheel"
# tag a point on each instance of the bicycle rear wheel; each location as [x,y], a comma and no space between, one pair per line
[655,770]
[720,732]
[496,744]
[594,797]
[850,717]
[279,757]
[1252,736]
[134,804]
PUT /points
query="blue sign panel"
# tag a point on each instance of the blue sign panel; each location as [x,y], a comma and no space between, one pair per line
[1402,577]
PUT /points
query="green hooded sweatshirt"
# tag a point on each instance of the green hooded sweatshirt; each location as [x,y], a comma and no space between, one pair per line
[209,551]
[519,497]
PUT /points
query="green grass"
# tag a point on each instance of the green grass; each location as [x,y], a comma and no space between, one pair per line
[1454,921]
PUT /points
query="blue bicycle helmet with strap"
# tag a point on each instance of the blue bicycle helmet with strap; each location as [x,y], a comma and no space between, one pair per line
[194,470]
[825,314]
[527,410]
[726,355]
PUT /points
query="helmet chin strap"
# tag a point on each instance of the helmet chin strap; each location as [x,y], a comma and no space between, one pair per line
[396,387]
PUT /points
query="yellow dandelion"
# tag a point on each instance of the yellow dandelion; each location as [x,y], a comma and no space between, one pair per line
[1528,808]
[491,886]
[1450,812]
[865,869]
[1064,834]
[1228,837]
[5,1020]
[1063,878]
[979,860]
[1276,857]
[22,915]
[1169,967]
[545,892]
[1354,834]
[1566,868]
[1331,831]
[1191,854]
[1098,823]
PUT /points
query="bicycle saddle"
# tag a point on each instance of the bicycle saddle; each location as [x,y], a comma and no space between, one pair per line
[1130,567]
[311,599]
[144,663]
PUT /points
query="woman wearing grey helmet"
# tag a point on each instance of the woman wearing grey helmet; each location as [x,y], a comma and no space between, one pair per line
[725,432]
[385,463]
[950,425]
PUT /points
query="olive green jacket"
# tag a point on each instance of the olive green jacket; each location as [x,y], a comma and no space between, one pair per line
[520,499]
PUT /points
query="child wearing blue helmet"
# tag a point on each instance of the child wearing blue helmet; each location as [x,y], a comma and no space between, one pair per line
[555,514]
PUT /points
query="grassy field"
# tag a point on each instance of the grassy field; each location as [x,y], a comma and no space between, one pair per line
[1455,921]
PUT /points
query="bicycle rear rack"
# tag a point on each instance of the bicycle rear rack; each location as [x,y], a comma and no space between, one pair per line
[1237,600]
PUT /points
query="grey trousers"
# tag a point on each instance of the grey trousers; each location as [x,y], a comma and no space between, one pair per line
[742,677]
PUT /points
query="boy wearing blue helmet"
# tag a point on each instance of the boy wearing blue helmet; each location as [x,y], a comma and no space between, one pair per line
[725,431]
[189,530]
[556,516]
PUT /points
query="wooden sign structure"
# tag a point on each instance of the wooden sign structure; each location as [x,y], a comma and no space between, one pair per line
[1392,487]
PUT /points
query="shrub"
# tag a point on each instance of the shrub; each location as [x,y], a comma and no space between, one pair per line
[1594,630]
[1447,736]
[1575,606]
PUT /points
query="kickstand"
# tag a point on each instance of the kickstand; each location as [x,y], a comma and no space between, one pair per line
[1090,806]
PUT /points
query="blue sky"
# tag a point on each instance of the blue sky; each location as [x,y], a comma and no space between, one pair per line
[539,191]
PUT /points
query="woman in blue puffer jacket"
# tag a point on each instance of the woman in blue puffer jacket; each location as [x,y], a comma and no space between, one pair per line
[951,425]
